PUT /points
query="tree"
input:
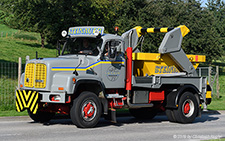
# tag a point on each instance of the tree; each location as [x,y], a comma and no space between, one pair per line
[31,16]
[81,13]
[217,7]
[50,17]
[203,38]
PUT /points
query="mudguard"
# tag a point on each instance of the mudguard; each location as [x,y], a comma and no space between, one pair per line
[173,97]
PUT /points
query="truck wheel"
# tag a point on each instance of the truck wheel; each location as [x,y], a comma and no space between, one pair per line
[41,116]
[86,110]
[170,115]
[143,113]
[187,108]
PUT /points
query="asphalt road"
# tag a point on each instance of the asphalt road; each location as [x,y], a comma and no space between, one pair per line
[210,126]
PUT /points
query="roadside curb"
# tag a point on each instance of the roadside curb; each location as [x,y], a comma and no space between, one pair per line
[214,112]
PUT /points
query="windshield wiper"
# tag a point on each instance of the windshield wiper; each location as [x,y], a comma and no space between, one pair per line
[75,71]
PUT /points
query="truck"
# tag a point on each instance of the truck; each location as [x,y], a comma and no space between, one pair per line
[97,73]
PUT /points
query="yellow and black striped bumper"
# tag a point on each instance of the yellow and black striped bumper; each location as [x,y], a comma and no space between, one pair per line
[26,99]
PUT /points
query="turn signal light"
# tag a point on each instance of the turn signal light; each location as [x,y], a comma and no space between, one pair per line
[74,80]
[60,88]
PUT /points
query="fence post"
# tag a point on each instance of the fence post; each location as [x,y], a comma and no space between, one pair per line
[217,82]
[19,72]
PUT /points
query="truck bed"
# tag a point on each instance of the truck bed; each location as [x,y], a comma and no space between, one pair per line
[157,64]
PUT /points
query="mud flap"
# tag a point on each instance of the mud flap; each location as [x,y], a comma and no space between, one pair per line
[26,99]
[111,115]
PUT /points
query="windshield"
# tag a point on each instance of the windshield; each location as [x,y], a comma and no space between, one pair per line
[89,46]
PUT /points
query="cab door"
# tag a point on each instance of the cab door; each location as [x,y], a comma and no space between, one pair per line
[113,64]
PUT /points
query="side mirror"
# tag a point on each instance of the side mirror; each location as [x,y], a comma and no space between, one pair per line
[112,53]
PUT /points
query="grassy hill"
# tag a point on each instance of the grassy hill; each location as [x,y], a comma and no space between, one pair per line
[15,43]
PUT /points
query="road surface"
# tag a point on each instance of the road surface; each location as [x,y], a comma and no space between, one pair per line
[210,126]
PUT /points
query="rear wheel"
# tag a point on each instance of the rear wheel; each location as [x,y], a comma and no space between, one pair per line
[86,110]
[41,116]
[143,113]
[187,108]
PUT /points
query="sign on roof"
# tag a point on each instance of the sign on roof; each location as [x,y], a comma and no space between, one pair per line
[86,31]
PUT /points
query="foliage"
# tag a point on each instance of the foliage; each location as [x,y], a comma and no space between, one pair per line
[203,38]
[50,17]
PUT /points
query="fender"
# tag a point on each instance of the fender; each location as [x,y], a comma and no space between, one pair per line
[173,97]
[101,95]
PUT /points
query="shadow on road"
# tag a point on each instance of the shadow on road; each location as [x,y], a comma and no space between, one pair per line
[127,119]
[207,116]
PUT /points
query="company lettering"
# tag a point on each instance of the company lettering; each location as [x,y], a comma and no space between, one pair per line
[165,69]
[84,31]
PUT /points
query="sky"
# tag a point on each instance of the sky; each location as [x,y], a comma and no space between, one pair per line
[205,1]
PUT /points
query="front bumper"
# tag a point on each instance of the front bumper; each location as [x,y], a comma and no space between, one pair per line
[50,97]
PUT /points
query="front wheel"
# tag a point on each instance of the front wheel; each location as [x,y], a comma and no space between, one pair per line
[86,110]
[187,108]
[41,116]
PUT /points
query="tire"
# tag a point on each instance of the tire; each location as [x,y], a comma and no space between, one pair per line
[41,116]
[143,113]
[187,108]
[170,115]
[86,110]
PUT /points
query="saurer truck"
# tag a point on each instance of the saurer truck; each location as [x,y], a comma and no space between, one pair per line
[97,73]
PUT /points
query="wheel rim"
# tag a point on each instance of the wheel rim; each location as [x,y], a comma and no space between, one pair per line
[188,108]
[89,110]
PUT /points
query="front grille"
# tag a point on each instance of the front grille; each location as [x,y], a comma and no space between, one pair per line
[29,75]
[35,75]
[40,76]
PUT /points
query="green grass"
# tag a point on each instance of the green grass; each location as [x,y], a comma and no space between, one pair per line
[218,104]
[223,139]
[12,113]
[21,48]
[7,93]
[5,29]
[20,44]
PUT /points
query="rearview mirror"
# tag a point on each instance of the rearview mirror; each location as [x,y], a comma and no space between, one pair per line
[112,51]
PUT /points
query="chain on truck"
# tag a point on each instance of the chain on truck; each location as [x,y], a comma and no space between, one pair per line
[97,73]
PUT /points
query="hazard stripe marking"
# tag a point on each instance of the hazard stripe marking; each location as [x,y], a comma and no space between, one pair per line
[26,100]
